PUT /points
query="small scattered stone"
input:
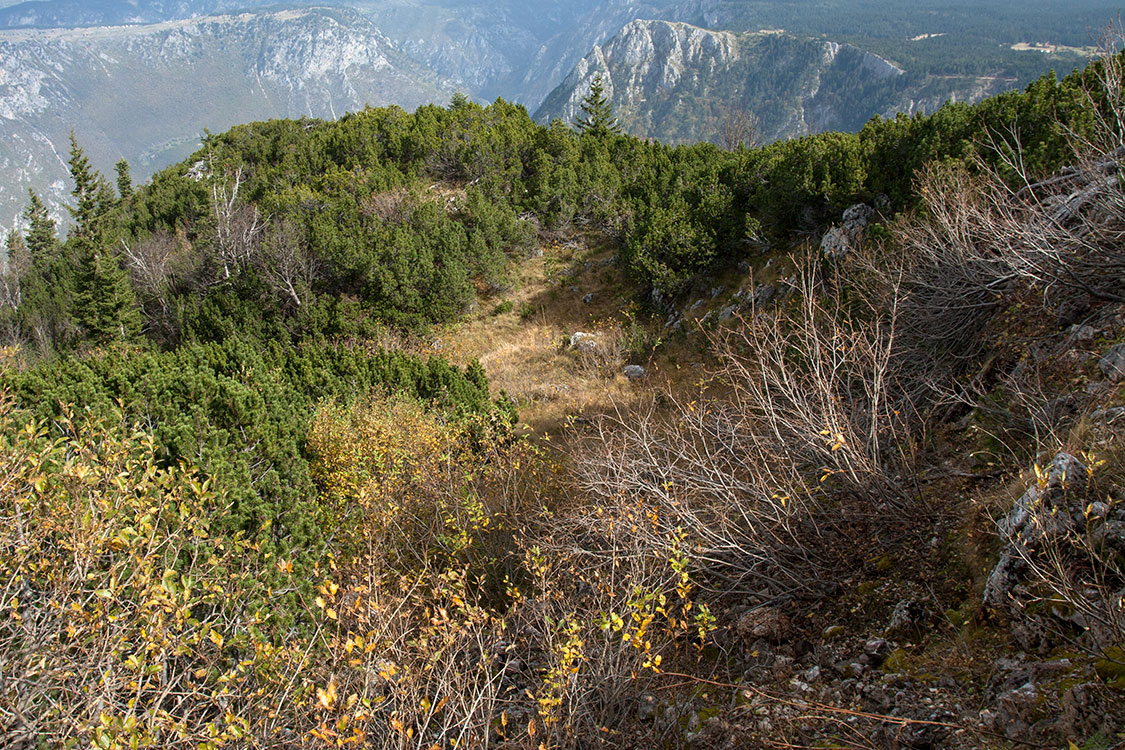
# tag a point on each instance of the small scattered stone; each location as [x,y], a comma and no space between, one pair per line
[634,372]
[907,619]
[832,631]
[875,651]
[584,342]
[1112,363]
[587,299]
[646,710]
[876,647]
[1015,711]
[769,623]
[1080,334]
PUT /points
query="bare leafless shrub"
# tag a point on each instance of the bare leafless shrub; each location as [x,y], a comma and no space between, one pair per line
[988,230]
[396,206]
[16,264]
[739,127]
[286,263]
[162,266]
[993,230]
[1062,235]
[148,264]
[950,287]
[238,225]
[810,400]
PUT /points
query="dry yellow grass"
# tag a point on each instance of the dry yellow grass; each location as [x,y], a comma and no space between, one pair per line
[525,349]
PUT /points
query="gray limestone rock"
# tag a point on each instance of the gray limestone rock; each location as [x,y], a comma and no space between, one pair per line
[580,341]
[769,623]
[634,372]
[1051,507]
[843,239]
[1112,363]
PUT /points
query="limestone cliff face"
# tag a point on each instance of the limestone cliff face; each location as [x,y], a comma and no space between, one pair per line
[677,82]
[146,93]
[653,55]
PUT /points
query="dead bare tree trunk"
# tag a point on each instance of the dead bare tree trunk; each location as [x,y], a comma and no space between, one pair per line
[285,264]
[238,226]
[739,127]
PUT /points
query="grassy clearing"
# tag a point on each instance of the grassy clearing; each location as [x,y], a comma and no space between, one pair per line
[524,346]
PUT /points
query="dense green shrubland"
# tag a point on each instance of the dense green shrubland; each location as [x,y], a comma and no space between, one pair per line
[239,409]
[291,229]
[233,277]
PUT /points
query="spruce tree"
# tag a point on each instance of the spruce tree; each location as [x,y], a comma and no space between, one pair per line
[47,290]
[42,244]
[598,119]
[124,180]
[93,197]
[105,306]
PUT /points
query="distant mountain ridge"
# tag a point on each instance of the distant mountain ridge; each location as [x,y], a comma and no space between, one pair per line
[43,14]
[146,93]
[106,67]
[676,82]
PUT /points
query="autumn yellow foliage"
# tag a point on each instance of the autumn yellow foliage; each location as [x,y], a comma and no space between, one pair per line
[125,622]
[450,608]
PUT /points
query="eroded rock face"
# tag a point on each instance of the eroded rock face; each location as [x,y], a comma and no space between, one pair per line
[656,71]
[1054,506]
[843,239]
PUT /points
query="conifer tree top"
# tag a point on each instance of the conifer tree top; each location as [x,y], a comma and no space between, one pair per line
[597,118]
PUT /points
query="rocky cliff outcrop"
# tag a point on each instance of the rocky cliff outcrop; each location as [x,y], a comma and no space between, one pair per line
[678,82]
